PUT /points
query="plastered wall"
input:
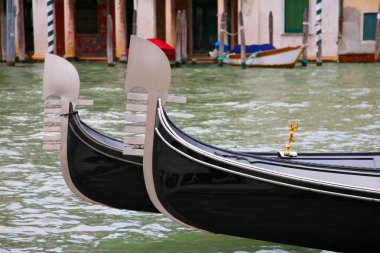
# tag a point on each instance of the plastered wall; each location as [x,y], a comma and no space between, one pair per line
[256,23]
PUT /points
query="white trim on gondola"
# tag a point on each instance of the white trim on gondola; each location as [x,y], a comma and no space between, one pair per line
[167,127]
[259,178]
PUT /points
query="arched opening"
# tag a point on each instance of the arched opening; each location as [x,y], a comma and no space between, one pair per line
[91,26]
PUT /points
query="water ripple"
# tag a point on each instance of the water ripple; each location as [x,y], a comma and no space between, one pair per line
[337,107]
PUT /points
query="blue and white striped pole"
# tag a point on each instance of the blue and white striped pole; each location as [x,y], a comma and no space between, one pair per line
[318,32]
[50,20]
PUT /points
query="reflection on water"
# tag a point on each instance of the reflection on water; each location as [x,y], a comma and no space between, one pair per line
[338,108]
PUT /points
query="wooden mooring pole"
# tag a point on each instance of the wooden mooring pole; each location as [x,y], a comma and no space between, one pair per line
[305,26]
[184,37]
[109,37]
[109,41]
[11,53]
[318,31]
[134,18]
[134,22]
[178,38]
[3,32]
[377,42]
[20,30]
[271,28]
[223,26]
[243,54]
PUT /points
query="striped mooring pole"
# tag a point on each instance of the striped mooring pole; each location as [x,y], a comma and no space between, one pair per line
[318,31]
[50,19]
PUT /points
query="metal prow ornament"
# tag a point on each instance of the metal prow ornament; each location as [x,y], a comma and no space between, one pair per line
[148,68]
[293,127]
[61,85]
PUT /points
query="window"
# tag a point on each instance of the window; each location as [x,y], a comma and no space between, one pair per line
[87,16]
[369,26]
[294,15]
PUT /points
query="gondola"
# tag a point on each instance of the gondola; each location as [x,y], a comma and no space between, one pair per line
[318,200]
[100,171]
[93,165]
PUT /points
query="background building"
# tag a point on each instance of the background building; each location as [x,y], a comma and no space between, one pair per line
[358,29]
[348,26]
[287,24]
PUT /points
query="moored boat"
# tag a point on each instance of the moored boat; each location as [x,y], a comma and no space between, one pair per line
[285,57]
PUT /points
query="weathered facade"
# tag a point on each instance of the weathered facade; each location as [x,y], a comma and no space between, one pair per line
[155,19]
[81,25]
[256,18]
[202,21]
[357,42]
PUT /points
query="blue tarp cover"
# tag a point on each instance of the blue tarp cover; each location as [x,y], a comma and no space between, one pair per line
[253,48]
[226,46]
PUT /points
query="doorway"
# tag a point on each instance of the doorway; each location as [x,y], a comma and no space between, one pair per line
[28,26]
[204,25]
[129,8]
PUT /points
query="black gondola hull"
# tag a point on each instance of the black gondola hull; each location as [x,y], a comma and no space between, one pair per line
[102,173]
[220,198]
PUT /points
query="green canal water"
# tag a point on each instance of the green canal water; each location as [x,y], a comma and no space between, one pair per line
[337,106]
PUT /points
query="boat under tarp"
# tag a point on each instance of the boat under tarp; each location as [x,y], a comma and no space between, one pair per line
[250,49]
[165,47]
